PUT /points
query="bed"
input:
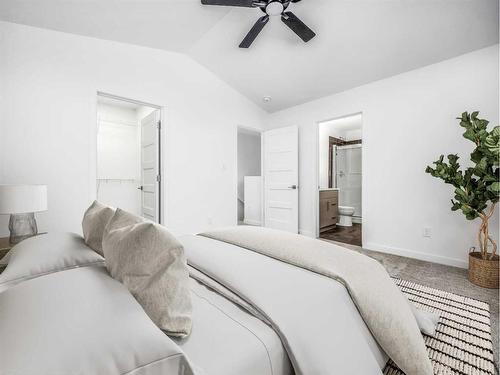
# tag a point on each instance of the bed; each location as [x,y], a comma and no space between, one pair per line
[252,315]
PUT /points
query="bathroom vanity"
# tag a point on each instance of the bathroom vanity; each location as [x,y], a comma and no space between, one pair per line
[328,209]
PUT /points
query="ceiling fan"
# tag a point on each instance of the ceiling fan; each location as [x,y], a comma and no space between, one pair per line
[270,8]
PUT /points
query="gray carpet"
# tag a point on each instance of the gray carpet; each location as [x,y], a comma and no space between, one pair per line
[450,279]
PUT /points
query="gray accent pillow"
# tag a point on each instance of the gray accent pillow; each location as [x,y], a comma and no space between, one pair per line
[94,221]
[151,263]
[45,254]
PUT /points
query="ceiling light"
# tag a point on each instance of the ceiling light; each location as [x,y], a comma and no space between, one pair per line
[266,99]
[274,8]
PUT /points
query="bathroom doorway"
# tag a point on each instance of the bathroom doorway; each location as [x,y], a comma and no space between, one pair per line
[339,195]
[128,155]
[249,165]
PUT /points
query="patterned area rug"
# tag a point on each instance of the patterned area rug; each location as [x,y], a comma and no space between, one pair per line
[462,344]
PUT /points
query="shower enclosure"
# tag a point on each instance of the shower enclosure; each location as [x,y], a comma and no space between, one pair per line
[347,176]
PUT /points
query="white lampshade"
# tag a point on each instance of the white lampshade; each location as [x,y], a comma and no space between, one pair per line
[20,199]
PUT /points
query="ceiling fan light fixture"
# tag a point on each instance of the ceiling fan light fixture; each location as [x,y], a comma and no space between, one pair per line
[274,8]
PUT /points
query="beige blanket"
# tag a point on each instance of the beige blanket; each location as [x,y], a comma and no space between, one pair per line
[380,303]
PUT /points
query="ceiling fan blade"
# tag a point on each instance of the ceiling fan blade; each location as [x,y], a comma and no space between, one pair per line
[232,3]
[297,26]
[254,31]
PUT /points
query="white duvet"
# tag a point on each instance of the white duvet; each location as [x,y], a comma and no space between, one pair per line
[380,303]
[314,316]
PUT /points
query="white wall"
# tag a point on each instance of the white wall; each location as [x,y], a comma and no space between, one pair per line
[48,84]
[354,134]
[248,163]
[49,111]
[408,120]
[117,143]
[2,118]
[118,157]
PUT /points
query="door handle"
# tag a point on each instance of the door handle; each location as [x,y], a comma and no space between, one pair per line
[293,187]
[140,188]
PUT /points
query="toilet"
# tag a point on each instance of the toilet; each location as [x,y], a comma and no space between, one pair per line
[345,216]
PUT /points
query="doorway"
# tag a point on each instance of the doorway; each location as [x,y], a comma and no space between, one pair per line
[249,165]
[340,179]
[129,155]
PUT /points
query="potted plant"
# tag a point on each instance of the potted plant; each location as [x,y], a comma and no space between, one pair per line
[476,193]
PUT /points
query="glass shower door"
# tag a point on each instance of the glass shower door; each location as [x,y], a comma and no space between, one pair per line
[349,176]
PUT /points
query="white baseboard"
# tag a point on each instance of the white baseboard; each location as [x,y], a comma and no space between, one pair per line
[307,233]
[252,222]
[455,262]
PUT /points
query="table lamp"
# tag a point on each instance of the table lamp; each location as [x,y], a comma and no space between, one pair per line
[21,202]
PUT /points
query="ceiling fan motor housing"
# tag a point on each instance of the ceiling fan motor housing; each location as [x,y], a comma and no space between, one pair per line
[274,8]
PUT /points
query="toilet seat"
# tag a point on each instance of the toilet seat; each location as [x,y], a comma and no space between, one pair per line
[346,210]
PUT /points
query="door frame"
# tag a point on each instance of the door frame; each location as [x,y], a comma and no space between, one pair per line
[261,134]
[316,158]
[162,132]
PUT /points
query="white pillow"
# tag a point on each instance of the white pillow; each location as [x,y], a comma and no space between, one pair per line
[427,321]
[94,221]
[150,262]
[81,321]
[45,254]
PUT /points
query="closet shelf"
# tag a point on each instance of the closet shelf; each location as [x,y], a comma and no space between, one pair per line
[118,179]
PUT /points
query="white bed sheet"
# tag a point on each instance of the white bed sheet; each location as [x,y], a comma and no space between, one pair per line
[227,340]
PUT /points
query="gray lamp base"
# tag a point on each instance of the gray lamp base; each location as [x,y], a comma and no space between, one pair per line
[22,226]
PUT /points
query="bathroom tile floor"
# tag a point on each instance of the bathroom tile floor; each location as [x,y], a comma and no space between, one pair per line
[450,279]
[347,235]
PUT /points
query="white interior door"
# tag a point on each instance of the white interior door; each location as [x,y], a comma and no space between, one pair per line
[281,167]
[150,176]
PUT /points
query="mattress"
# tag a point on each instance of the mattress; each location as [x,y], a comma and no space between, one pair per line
[227,340]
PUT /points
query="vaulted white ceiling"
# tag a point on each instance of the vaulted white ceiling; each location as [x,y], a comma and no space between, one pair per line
[358,41]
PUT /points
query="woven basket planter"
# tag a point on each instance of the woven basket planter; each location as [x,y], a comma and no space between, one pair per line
[483,272]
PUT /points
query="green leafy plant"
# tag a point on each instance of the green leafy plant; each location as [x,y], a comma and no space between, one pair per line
[476,187]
